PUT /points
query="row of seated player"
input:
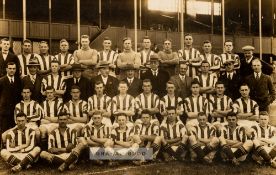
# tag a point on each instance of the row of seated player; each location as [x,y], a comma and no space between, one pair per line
[145,142]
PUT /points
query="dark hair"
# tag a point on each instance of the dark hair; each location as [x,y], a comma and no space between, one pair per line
[49,88]
[26,87]
[146,111]
[122,82]
[120,114]
[63,40]
[97,113]
[167,39]
[63,113]
[126,38]
[219,82]
[205,61]
[106,38]
[27,41]
[146,37]
[201,114]
[146,81]
[171,108]
[10,63]
[43,42]
[229,40]
[195,81]
[4,39]
[231,113]
[55,61]
[206,41]
[244,84]
[84,36]
[188,34]
[75,87]
[21,114]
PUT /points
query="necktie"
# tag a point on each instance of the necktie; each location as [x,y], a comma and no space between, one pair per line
[77,81]
[229,76]
[130,81]
[183,79]
[11,81]
[257,77]
[33,79]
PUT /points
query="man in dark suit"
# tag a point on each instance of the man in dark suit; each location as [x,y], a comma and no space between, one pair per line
[86,86]
[158,77]
[6,56]
[262,90]
[231,80]
[10,95]
[182,82]
[33,80]
[134,84]
[246,62]
[111,83]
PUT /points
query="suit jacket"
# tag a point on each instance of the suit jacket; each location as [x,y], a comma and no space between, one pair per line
[111,86]
[86,88]
[246,69]
[182,89]
[262,90]
[231,86]
[135,88]
[3,63]
[35,88]
[158,82]
[10,95]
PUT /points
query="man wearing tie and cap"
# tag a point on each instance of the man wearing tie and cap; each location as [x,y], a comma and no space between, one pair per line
[262,89]
[33,80]
[246,63]
[134,84]
[85,85]
[10,90]
[231,80]
[157,76]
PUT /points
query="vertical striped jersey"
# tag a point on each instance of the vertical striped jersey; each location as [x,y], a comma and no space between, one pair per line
[227,56]
[110,56]
[17,137]
[57,82]
[145,56]
[99,103]
[169,131]
[65,59]
[32,109]
[237,134]
[60,140]
[24,60]
[167,101]
[204,133]
[213,60]
[99,132]
[141,129]
[52,108]
[78,110]
[46,61]
[146,102]
[261,132]
[187,55]
[246,106]
[123,103]
[220,103]
[122,135]
[196,104]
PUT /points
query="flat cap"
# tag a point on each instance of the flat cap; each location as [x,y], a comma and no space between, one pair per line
[248,47]
[154,57]
[102,64]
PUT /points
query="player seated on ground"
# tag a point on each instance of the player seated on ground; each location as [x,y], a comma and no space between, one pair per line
[203,140]
[123,137]
[20,151]
[97,136]
[100,102]
[148,133]
[63,150]
[247,110]
[174,136]
[264,140]
[77,109]
[221,105]
[31,108]
[171,100]
[234,143]
[123,103]
[51,107]
[194,104]
[147,100]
